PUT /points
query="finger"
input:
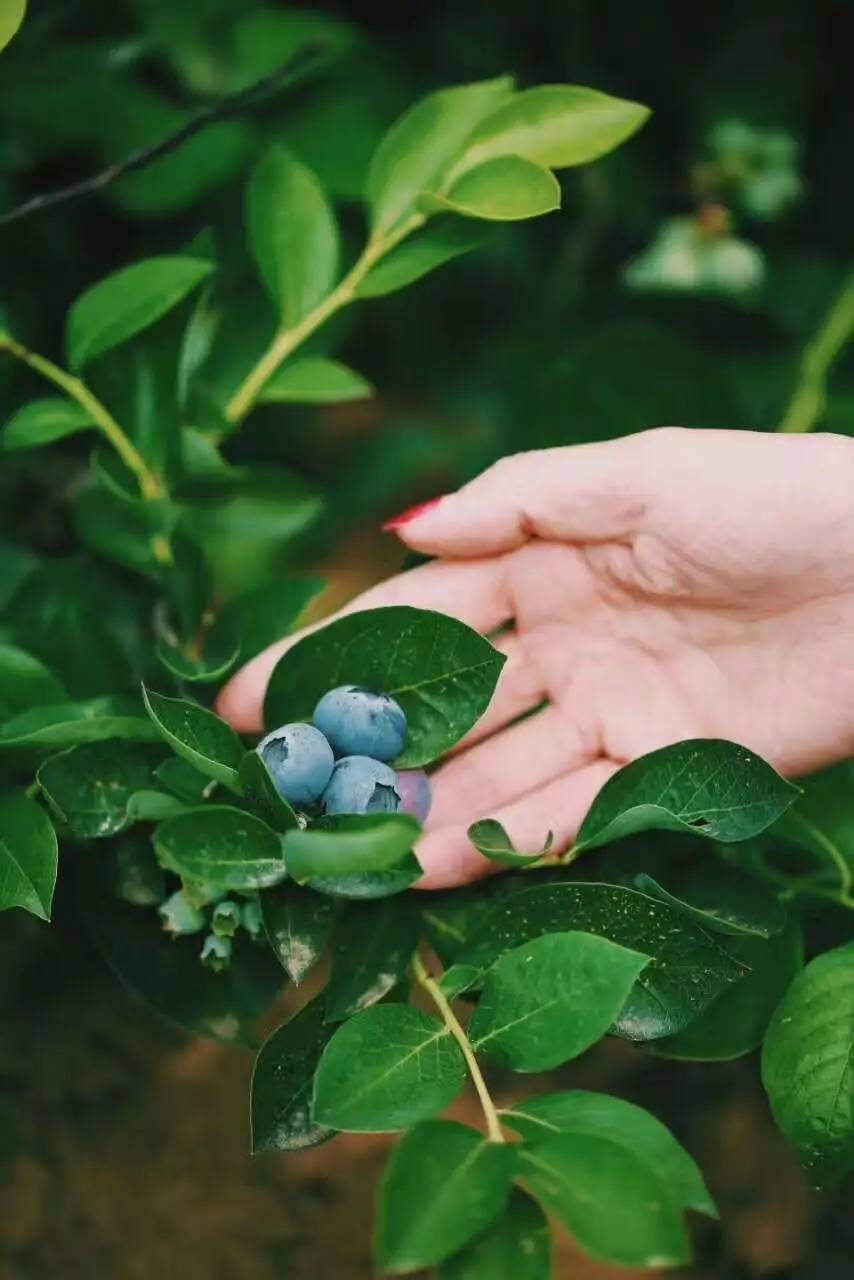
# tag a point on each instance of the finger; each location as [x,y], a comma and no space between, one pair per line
[520,688]
[581,493]
[496,772]
[474,591]
[449,858]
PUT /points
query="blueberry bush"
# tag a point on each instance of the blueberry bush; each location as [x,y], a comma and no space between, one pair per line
[703,912]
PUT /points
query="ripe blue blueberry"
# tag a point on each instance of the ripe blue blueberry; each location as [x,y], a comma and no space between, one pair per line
[299,760]
[361,785]
[358,722]
[415,795]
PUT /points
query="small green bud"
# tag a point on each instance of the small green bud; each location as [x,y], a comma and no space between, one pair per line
[252,919]
[225,920]
[216,952]
[180,916]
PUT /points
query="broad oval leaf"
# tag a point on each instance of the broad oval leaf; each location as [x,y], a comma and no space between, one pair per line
[688,968]
[44,421]
[421,146]
[387,1068]
[372,947]
[293,234]
[555,125]
[550,999]
[261,793]
[490,838]
[441,241]
[25,682]
[721,898]
[807,1061]
[315,380]
[351,844]
[198,736]
[90,786]
[517,1246]
[441,672]
[221,846]
[705,786]
[28,855]
[298,923]
[128,301]
[282,1083]
[67,723]
[578,1111]
[11,16]
[444,1184]
[617,1207]
[506,189]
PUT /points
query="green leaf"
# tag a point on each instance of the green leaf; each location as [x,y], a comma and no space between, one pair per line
[368,885]
[184,781]
[822,823]
[705,786]
[506,189]
[165,971]
[577,1111]
[154,806]
[282,1082]
[444,1184]
[315,380]
[489,838]
[198,736]
[44,421]
[90,786]
[688,968]
[373,945]
[555,125]
[127,302]
[293,234]
[517,1246]
[351,843]
[421,146]
[298,922]
[736,1021]
[260,791]
[265,615]
[387,1068]
[25,682]
[617,1207]
[807,1062]
[222,846]
[550,999]
[441,672]
[11,16]
[441,241]
[67,723]
[210,666]
[721,898]
[120,530]
[28,855]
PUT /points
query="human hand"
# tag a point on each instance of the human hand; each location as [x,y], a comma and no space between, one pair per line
[674,584]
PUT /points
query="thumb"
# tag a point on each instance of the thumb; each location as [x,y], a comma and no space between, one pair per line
[579,493]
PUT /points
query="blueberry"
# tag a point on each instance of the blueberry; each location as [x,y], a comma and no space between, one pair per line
[362,785]
[415,796]
[299,760]
[358,722]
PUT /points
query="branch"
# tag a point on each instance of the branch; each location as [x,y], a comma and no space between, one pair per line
[807,405]
[294,69]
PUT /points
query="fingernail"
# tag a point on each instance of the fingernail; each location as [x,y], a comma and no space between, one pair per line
[411,513]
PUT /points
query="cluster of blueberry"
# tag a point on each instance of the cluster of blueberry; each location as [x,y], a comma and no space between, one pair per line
[365,731]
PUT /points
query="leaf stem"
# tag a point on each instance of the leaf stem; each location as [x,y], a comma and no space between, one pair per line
[149,485]
[286,341]
[437,995]
[808,403]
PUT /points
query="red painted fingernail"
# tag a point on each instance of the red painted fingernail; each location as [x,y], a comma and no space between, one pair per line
[411,513]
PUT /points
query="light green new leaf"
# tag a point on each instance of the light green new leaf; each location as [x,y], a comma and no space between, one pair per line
[704,786]
[808,1065]
[282,1081]
[617,1207]
[11,16]
[315,380]
[351,844]
[577,1111]
[44,421]
[444,1184]
[293,234]
[128,301]
[421,146]
[555,125]
[221,846]
[28,855]
[490,838]
[387,1068]
[90,786]
[517,1246]
[506,189]
[442,240]
[198,736]
[550,999]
